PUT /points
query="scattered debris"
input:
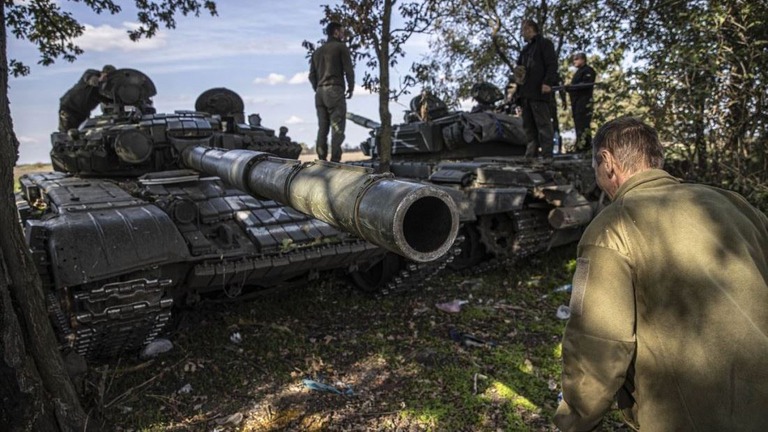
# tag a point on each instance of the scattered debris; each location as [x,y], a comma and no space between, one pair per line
[235,338]
[186,389]
[478,375]
[563,288]
[318,386]
[563,312]
[452,306]
[468,340]
[155,348]
[234,419]
[552,384]
[471,283]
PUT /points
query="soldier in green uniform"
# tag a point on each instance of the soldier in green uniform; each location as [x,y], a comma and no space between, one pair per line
[331,63]
[78,102]
[668,310]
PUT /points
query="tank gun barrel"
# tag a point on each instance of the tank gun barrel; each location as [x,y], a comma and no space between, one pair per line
[362,121]
[414,220]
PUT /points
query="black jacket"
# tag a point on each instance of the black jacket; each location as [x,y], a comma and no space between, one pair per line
[538,57]
[582,96]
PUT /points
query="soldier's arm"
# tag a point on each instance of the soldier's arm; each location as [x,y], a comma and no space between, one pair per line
[599,341]
[313,72]
[589,76]
[349,70]
[550,63]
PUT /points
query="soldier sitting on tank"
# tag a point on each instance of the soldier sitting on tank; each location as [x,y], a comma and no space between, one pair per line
[486,95]
[78,102]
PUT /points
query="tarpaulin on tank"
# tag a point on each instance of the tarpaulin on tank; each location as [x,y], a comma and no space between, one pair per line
[93,245]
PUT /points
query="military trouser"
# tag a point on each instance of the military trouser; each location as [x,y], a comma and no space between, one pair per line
[582,117]
[69,120]
[331,116]
[538,128]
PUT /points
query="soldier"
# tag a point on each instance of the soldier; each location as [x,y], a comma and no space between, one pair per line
[331,63]
[668,308]
[536,74]
[581,101]
[78,102]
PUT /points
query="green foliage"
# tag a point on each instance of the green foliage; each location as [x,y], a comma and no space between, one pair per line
[43,23]
[696,70]
[704,79]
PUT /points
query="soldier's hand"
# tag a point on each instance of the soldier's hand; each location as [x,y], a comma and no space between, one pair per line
[349,94]
[545,89]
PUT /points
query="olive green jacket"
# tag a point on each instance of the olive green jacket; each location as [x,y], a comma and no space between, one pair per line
[330,64]
[669,311]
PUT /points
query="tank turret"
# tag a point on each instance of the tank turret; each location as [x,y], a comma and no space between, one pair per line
[147,211]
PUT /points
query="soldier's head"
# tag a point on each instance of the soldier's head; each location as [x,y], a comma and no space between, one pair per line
[529,29]
[579,59]
[106,70]
[623,147]
[336,30]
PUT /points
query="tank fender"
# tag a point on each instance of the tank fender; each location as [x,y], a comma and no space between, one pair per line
[497,200]
[93,245]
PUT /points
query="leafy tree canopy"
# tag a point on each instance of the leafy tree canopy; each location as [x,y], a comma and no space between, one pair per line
[53,30]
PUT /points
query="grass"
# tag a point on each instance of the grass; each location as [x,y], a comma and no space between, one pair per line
[395,353]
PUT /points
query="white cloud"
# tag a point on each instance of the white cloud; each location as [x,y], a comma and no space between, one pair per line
[271,79]
[292,120]
[29,139]
[299,78]
[108,38]
[276,78]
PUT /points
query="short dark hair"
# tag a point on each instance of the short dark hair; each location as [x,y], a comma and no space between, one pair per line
[580,55]
[532,24]
[331,28]
[634,144]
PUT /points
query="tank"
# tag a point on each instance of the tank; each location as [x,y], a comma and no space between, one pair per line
[150,211]
[509,206]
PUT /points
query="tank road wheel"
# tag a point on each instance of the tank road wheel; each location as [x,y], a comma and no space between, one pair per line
[515,234]
[472,249]
[376,277]
[497,234]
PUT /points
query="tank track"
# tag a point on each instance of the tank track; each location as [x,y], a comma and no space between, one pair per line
[414,275]
[106,319]
[283,148]
[530,233]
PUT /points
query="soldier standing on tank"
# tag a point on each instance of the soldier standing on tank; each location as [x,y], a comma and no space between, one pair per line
[668,312]
[331,63]
[78,102]
[581,101]
[536,74]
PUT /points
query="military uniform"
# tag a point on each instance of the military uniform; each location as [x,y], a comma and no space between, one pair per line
[78,102]
[668,311]
[540,62]
[331,63]
[581,106]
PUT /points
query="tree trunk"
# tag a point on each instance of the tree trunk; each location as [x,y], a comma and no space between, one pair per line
[35,390]
[385,155]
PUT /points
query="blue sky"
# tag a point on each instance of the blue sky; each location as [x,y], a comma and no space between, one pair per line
[252,47]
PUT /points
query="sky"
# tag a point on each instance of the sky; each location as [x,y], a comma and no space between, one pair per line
[252,47]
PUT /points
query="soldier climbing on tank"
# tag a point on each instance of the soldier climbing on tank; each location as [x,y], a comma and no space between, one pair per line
[78,102]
